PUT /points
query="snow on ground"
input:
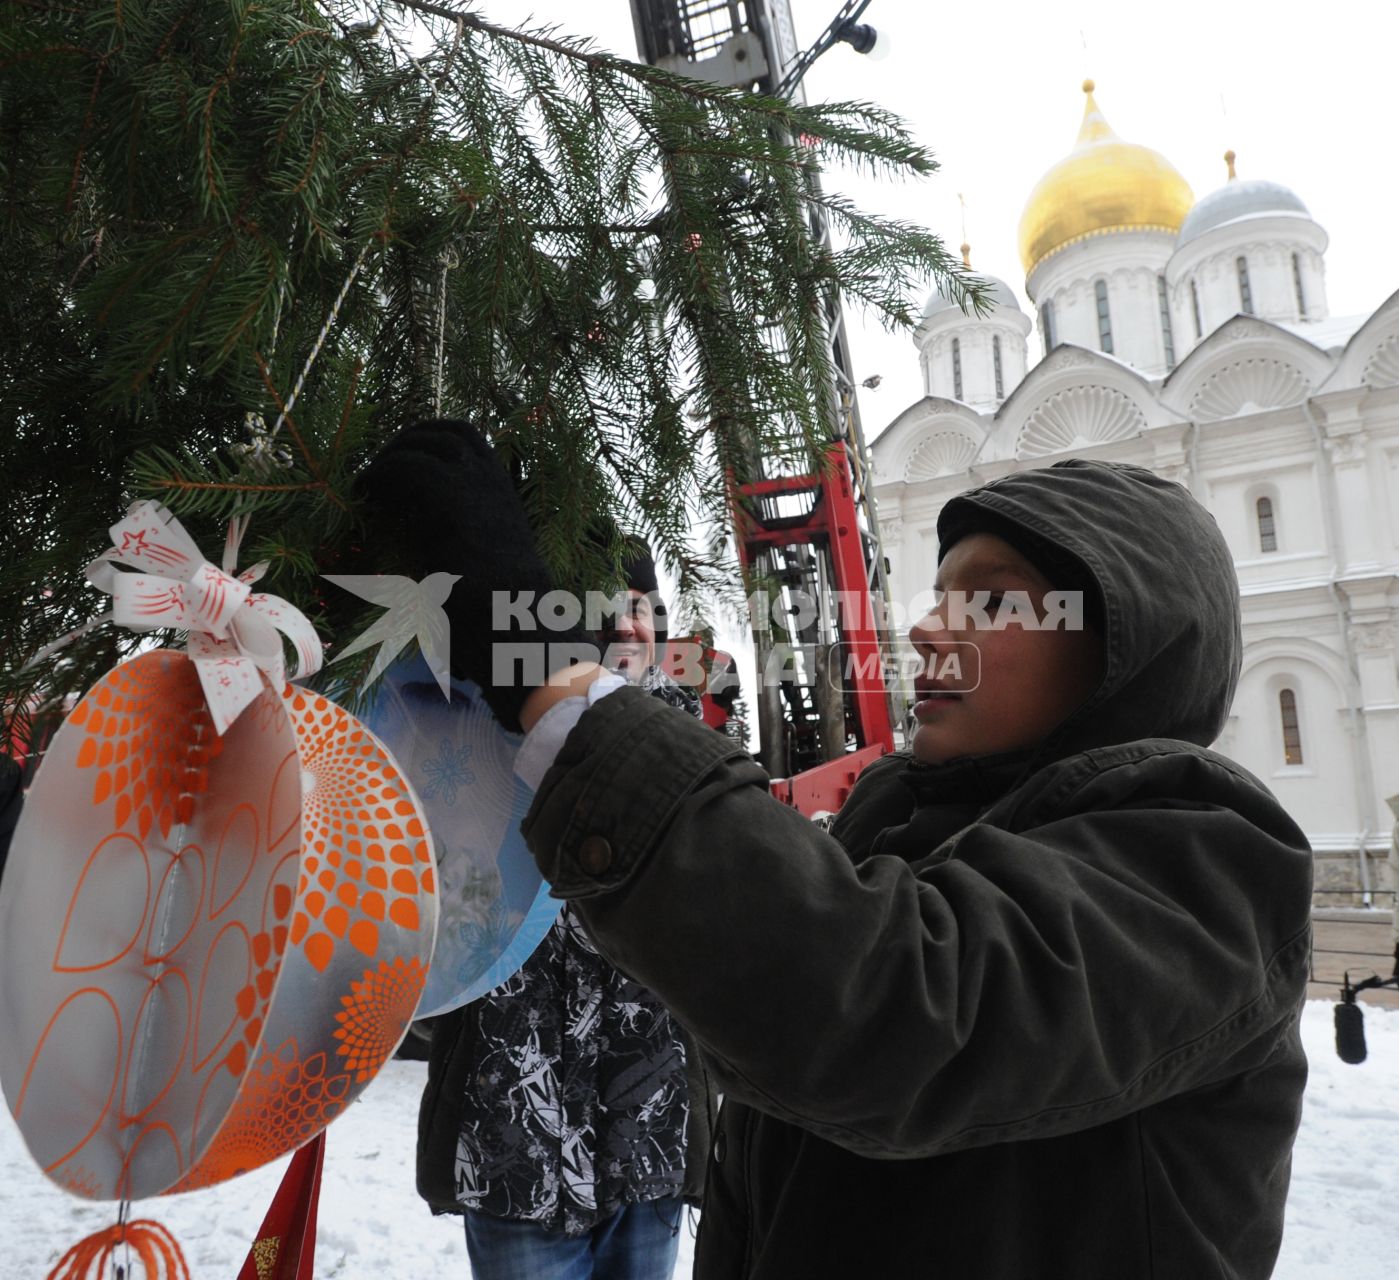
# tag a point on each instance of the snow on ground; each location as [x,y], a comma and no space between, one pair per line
[1343,1208]
[1342,1216]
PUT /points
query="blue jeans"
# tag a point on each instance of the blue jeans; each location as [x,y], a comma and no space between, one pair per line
[638,1242]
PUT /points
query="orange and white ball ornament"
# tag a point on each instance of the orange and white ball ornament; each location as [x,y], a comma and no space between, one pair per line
[220,902]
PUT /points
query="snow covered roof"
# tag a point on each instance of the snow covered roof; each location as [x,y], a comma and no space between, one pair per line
[1239,198]
[1330,334]
[1002,295]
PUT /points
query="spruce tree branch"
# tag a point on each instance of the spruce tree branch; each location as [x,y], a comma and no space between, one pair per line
[153,260]
[86,133]
[190,303]
[646,261]
[170,35]
[254,305]
[311,91]
[540,41]
[638,71]
[310,31]
[310,165]
[651,227]
[346,408]
[222,82]
[608,450]
[48,51]
[745,157]
[91,256]
[179,483]
[310,459]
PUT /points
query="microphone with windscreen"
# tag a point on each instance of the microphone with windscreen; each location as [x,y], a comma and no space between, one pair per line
[1350,1033]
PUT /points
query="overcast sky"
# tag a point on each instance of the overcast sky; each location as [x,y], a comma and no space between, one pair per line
[1304,93]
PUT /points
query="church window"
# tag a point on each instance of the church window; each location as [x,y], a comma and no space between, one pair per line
[1195,311]
[1267,526]
[956,369]
[1297,288]
[1051,339]
[1100,291]
[1245,291]
[996,363]
[1167,337]
[1291,727]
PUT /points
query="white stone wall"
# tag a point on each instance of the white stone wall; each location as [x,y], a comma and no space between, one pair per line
[1129,263]
[976,338]
[1294,487]
[1319,793]
[1267,243]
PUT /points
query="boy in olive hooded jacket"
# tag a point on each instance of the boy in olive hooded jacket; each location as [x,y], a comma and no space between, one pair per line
[1030,1010]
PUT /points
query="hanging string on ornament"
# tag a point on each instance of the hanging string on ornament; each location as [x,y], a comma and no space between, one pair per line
[123,1268]
[434,83]
[450,261]
[258,452]
[320,341]
[449,258]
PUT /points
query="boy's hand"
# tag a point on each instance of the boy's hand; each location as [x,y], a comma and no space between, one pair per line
[438,498]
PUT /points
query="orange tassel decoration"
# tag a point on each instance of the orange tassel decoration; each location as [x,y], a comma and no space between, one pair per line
[152,1244]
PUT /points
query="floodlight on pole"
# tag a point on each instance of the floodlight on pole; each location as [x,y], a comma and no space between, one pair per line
[848,17]
[865,39]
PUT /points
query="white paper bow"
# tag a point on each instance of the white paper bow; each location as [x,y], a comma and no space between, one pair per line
[234,637]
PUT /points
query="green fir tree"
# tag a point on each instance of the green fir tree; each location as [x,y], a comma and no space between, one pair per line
[244,241]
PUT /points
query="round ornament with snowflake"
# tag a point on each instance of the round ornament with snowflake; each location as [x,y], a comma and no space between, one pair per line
[495,907]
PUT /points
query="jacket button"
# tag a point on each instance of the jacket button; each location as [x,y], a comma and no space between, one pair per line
[595,855]
[718,1147]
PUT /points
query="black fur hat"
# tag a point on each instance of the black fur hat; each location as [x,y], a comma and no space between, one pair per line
[436,498]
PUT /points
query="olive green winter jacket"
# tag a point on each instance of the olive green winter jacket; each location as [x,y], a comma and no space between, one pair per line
[1016,1017]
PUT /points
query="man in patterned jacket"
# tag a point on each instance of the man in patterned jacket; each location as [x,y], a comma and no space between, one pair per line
[565,1115]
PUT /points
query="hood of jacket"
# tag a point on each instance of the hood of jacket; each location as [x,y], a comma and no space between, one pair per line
[1168,595]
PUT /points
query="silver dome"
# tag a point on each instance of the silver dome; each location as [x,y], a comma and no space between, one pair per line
[1239,198]
[1001,295]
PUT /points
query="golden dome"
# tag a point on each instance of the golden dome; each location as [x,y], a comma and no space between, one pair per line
[1102,185]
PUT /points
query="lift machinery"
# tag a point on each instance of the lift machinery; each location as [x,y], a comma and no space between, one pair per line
[814,538]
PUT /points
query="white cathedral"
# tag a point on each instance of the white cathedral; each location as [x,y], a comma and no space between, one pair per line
[1193,338]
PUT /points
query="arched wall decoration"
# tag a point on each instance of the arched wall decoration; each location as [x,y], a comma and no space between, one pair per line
[1318,679]
[1382,368]
[1076,417]
[1260,382]
[944,453]
[1298,653]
